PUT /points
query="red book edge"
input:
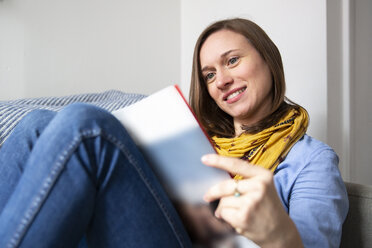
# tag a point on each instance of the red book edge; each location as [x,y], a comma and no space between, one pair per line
[188,105]
[202,128]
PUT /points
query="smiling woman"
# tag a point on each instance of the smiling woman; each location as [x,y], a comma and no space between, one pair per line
[288,182]
[254,40]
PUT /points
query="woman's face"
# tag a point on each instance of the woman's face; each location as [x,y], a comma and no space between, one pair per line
[238,78]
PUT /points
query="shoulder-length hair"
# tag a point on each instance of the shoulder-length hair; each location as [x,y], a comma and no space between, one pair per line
[213,119]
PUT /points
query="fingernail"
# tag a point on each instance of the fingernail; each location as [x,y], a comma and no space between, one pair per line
[205,158]
[217,214]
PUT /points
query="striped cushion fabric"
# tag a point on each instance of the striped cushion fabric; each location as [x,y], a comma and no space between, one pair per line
[11,112]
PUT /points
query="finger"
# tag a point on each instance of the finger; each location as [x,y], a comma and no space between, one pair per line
[230,187]
[231,216]
[242,203]
[219,190]
[236,218]
[232,202]
[233,165]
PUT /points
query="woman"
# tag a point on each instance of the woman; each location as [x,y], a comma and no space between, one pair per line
[77,173]
[237,92]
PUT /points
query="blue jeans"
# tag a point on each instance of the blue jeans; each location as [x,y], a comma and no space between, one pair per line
[75,174]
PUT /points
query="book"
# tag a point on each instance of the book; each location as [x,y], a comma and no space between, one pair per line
[172,141]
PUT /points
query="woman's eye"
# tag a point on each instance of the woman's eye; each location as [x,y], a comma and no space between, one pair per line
[233,60]
[209,76]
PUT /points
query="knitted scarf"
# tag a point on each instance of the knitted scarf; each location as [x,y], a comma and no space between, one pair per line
[269,147]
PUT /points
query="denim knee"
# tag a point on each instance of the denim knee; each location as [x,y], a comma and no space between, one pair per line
[80,115]
[81,119]
[83,111]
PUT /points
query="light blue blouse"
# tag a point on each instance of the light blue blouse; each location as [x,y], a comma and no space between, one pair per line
[312,191]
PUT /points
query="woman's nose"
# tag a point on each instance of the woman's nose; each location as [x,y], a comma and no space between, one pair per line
[224,79]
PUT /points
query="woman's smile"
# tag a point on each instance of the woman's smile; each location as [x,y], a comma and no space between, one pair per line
[234,95]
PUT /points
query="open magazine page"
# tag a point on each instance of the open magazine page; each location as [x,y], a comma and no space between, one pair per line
[172,141]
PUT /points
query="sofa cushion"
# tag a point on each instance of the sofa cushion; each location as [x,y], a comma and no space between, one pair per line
[357,228]
[11,112]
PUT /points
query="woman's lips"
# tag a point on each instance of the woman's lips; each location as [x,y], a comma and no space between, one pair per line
[234,95]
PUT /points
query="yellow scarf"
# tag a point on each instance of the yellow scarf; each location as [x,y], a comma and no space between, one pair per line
[269,147]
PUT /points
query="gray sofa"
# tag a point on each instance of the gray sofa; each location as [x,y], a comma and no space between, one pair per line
[11,112]
[357,229]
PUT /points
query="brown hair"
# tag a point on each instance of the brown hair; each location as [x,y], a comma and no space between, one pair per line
[216,121]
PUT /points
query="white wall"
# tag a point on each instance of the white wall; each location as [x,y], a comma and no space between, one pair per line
[50,47]
[297,27]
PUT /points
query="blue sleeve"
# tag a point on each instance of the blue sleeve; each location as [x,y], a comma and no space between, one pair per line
[318,201]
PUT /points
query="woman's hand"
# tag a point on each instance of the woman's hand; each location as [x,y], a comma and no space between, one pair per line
[257,212]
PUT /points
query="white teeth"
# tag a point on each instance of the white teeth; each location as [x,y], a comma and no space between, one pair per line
[235,94]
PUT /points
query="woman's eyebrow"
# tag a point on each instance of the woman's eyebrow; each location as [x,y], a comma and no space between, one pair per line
[228,52]
[225,54]
[206,68]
